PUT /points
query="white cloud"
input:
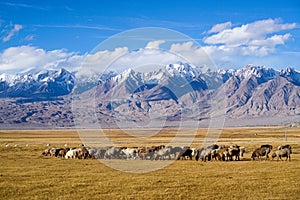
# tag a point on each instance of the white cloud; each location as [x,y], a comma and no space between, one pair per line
[24,58]
[27,57]
[100,61]
[247,33]
[12,32]
[271,41]
[144,59]
[194,54]
[254,40]
[225,45]
[155,44]
[220,27]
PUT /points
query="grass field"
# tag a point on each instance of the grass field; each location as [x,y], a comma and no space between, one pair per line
[25,174]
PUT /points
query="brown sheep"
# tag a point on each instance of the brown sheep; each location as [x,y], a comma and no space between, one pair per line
[234,151]
[83,153]
[258,153]
[62,152]
[223,154]
[46,152]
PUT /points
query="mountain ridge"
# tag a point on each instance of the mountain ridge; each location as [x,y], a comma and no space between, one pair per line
[176,92]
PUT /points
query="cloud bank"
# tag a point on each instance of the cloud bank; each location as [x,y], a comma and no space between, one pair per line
[258,38]
[220,27]
[225,44]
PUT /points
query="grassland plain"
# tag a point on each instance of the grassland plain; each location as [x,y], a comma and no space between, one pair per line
[25,174]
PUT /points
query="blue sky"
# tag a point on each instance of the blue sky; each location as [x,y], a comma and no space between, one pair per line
[45,34]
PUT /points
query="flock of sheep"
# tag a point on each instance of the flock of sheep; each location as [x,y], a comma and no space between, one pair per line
[162,152]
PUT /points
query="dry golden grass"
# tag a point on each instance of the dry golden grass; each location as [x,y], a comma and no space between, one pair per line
[25,174]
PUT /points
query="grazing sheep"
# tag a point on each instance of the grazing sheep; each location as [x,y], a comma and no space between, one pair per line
[130,153]
[100,153]
[234,151]
[205,152]
[186,152]
[215,154]
[223,154]
[7,145]
[175,152]
[52,151]
[259,152]
[72,153]
[46,152]
[92,152]
[283,151]
[83,153]
[62,153]
[146,153]
[113,152]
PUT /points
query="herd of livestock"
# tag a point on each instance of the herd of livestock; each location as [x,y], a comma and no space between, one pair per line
[161,152]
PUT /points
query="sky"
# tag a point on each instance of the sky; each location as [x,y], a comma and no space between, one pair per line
[48,34]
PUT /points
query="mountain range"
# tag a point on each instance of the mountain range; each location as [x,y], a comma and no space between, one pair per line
[176,92]
[49,83]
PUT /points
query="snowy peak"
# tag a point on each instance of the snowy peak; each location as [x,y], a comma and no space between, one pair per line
[182,73]
[54,75]
[260,72]
[183,70]
[291,75]
[44,83]
[107,76]
[178,70]
[11,79]
[8,78]
[128,73]
[42,76]
[62,82]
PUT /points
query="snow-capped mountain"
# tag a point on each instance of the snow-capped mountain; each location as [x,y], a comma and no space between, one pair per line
[182,70]
[261,91]
[262,73]
[291,75]
[252,89]
[86,81]
[179,78]
[174,92]
[42,84]
[179,74]
[257,71]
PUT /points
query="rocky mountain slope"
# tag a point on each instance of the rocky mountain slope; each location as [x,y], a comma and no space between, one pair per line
[176,92]
[43,84]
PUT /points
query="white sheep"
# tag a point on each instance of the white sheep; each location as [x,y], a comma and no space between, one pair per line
[72,153]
